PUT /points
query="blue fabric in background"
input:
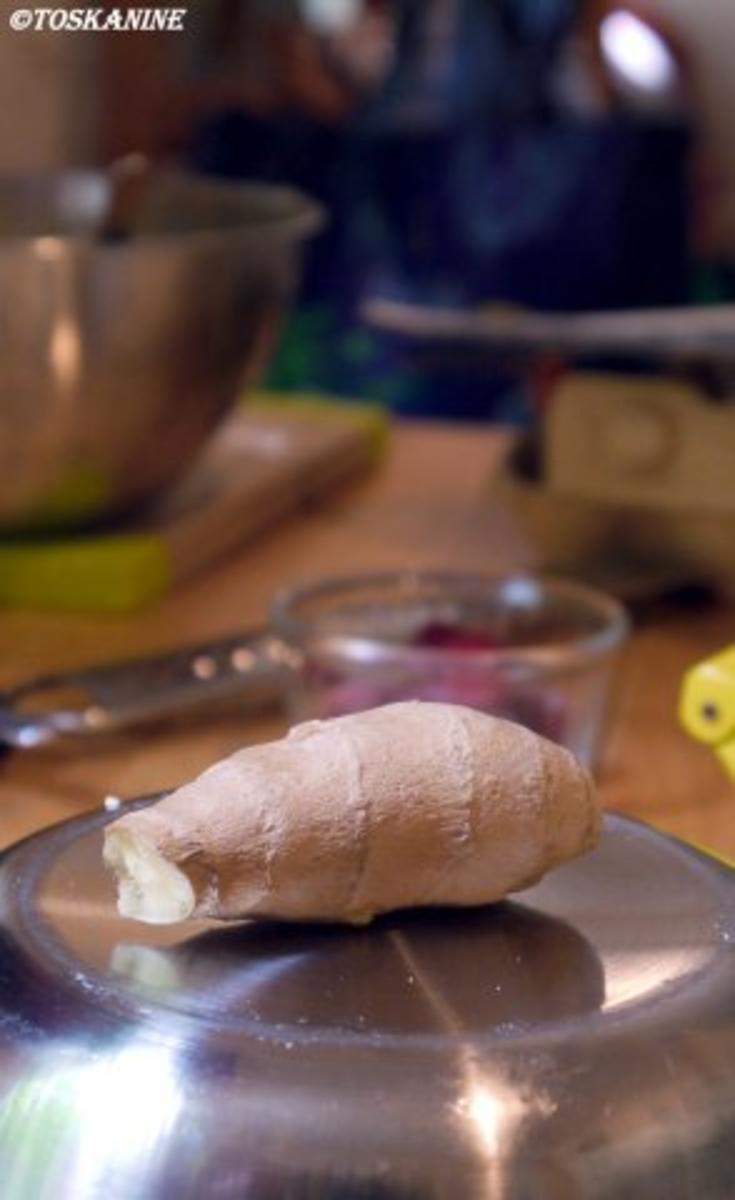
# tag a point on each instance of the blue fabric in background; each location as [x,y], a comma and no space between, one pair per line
[462,187]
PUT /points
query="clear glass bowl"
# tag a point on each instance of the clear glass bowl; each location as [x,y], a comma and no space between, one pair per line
[535,650]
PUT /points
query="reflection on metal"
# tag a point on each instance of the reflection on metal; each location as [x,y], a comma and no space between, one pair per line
[95,717]
[242,659]
[65,354]
[204,666]
[645,972]
[494,1110]
[123,1106]
[487,1113]
[105,1118]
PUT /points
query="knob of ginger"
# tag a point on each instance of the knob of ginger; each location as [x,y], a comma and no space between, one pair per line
[410,804]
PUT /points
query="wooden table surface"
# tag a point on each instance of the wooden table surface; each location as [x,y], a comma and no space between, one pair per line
[426,506]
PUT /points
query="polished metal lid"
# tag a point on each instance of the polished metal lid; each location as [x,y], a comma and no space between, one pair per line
[576,1043]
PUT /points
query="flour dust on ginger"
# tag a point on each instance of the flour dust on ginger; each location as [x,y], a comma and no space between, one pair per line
[410,804]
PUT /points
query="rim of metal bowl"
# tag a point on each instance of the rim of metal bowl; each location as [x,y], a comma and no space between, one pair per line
[301,632]
[297,214]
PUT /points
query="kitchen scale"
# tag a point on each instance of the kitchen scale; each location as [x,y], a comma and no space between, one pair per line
[633,476]
[627,479]
[577,1042]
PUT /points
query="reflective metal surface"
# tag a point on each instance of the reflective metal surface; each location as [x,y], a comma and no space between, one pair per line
[578,1043]
[253,668]
[118,357]
[674,336]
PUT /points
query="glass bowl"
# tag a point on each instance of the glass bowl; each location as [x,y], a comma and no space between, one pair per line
[536,650]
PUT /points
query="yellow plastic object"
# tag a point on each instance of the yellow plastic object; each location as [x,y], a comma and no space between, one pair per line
[121,571]
[707,705]
[114,573]
[721,858]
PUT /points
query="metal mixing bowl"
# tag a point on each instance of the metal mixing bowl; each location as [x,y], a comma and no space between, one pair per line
[119,356]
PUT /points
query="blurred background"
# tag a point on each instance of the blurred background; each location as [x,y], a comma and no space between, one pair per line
[445,208]
[556,154]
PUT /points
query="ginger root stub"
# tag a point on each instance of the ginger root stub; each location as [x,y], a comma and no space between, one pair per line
[410,804]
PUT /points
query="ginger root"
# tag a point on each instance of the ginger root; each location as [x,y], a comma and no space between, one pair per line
[410,804]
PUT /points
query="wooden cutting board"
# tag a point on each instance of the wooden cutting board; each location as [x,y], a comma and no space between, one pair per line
[268,459]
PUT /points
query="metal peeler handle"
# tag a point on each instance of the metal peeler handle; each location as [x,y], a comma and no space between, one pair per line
[253,667]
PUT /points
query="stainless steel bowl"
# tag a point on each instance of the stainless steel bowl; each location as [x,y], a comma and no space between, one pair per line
[119,356]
